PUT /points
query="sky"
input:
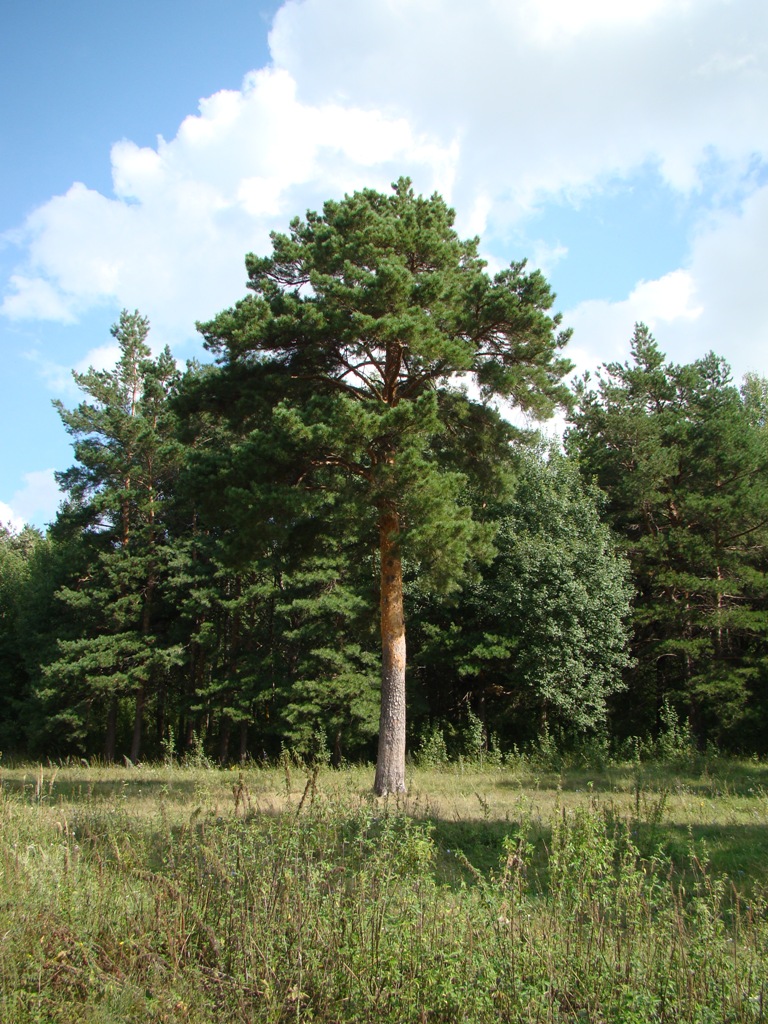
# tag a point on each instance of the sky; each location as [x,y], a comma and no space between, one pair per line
[621,146]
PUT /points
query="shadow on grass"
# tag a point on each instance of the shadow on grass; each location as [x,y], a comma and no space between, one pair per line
[79,791]
[700,777]
[467,850]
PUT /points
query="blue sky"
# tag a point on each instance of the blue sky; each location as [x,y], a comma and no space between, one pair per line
[620,146]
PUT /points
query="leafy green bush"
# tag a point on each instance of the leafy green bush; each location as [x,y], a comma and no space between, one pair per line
[432,751]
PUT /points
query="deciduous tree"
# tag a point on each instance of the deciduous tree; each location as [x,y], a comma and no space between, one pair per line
[541,637]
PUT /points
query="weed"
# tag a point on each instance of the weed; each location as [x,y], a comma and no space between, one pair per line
[267,900]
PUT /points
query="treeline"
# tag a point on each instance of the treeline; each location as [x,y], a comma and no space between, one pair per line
[213,577]
[628,572]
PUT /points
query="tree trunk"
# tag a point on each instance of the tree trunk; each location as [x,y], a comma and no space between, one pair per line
[337,749]
[390,764]
[111,735]
[160,720]
[141,696]
[225,734]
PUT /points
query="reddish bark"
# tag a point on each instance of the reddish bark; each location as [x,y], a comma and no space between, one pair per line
[390,764]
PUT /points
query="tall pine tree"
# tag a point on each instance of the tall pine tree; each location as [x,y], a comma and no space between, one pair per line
[682,455]
[358,325]
[117,495]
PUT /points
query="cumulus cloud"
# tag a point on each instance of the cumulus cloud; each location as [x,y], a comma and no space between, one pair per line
[37,501]
[10,519]
[716,303]
[34,297]
[173,237]
[498,105]
[547,95]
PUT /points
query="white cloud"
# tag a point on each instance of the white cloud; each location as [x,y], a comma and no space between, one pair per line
[37,299]
[728,265]
[547,95]
[59,379]
[547,255]
[550,19]
[37,501]
[716,303]
[10,518]
[667,299]
[602,330]
[103,357]
[172,240]
[499,105]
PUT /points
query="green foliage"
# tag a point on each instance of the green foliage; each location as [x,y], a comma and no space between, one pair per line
[17,555]
[338,388]
[345,352]
[432,751]
[330,666]
[681,455]
[542,633]
[473,736]
[675,743]
[118,495]
[209,588]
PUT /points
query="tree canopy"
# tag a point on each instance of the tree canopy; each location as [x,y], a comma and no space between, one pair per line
[240,544]
[118,493]
[359,328]
[682,456]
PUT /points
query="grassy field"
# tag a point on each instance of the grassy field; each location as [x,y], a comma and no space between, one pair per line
[165,893]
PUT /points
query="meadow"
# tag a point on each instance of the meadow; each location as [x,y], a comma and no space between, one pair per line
[166,893]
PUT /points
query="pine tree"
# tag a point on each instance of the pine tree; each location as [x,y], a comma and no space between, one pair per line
[358,326]
[681,454]
[117,494]
[280,633]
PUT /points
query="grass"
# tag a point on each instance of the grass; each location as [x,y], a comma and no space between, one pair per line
[164,894]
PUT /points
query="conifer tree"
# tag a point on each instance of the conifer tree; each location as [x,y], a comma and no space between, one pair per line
[17,552]
[117,494]
[682,455]
[357,328]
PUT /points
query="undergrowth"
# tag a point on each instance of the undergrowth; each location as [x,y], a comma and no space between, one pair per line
[338,908]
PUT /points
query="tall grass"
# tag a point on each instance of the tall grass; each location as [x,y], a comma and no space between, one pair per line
[290,897]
